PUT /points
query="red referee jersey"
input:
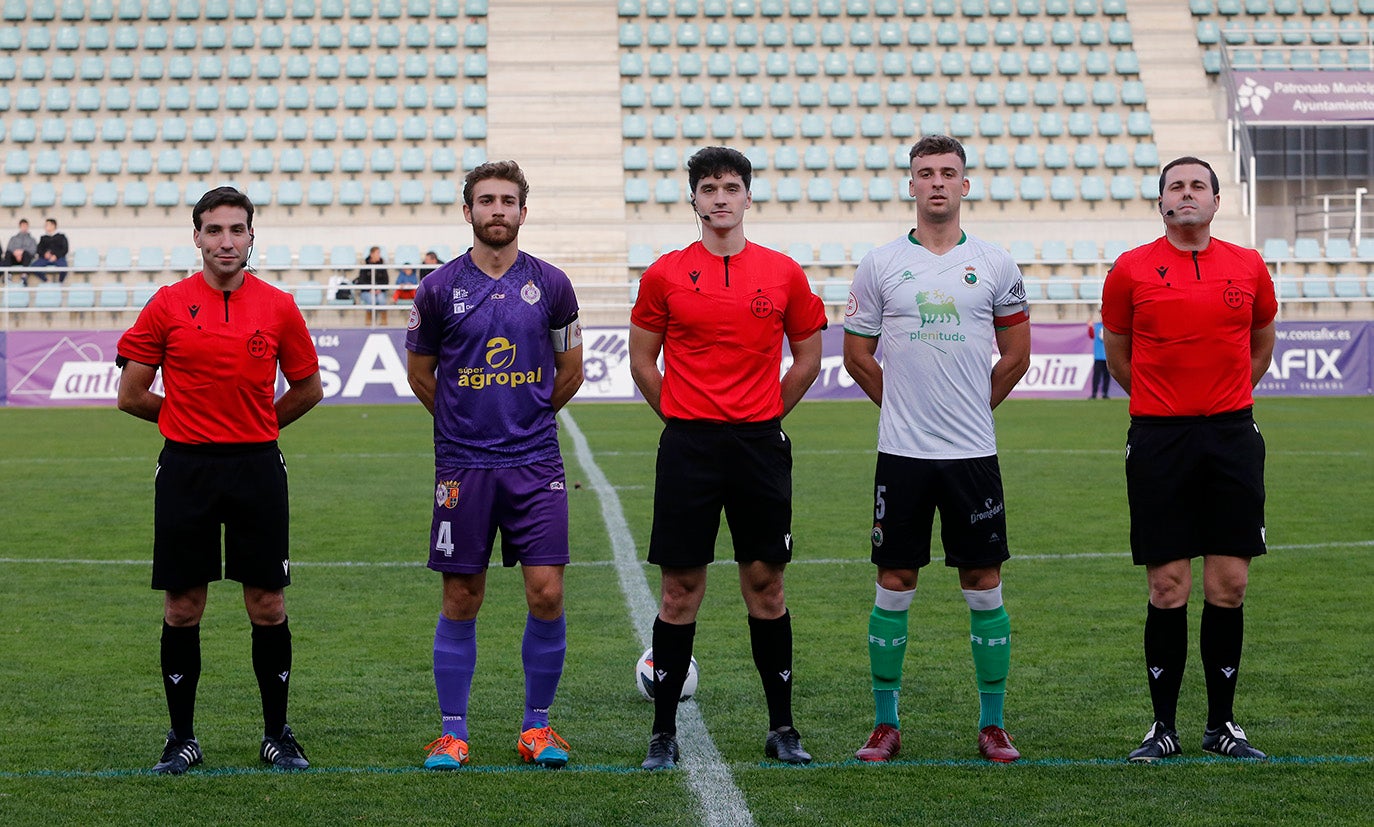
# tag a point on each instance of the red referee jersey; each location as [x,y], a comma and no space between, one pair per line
[723,320]
[219,353]
[1189,316]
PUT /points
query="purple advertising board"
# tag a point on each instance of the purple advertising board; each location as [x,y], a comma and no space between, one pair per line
[1320,359]
[60,368]
[1303,97]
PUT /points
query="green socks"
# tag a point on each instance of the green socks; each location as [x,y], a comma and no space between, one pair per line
[990,636]
[887,632]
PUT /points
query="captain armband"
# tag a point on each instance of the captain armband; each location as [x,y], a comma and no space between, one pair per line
[567,337]
[1010,315]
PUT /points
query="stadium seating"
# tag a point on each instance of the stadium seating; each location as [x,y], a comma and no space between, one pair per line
[335,116]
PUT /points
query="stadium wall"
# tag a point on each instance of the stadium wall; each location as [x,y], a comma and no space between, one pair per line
[76,367]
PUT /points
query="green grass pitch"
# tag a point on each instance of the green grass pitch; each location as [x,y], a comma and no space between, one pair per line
[82,714]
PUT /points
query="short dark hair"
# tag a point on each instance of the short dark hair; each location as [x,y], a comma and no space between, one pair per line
[718,160]
[50,220]
[1188,159]
[500,170]
[221,197]
[938,145]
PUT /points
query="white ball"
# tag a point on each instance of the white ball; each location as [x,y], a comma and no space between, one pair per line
[644,676]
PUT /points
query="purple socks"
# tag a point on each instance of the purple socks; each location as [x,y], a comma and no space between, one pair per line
[542,651]
[455,659]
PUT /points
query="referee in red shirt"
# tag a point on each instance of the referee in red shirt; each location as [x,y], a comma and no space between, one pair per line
[718,312]
[218,338]
[1189,333]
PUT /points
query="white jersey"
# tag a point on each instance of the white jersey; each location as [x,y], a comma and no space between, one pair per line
[936,316]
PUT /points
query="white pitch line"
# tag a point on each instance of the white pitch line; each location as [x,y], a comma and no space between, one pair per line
[722,803]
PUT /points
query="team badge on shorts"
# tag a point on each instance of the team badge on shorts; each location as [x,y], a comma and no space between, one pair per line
[446,493]
[877,535]
[529,293]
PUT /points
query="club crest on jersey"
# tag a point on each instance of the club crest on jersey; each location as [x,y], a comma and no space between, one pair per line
[460,303]
[761,306]
[413,322]
[1232,296]
[446,493]
[530,293]
[970,276]
[257,346]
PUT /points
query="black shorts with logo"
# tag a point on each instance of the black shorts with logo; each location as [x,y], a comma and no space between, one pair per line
[198,489]
[704,467]
[968,493]
[1195,486]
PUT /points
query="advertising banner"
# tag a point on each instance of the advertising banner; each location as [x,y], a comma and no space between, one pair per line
[1320,359]
[1303,97]
[58,368]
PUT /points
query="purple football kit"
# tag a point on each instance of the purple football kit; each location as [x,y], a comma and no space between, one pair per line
[497,462]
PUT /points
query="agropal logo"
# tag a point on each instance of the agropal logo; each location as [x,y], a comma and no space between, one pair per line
[500,353]
[499,370]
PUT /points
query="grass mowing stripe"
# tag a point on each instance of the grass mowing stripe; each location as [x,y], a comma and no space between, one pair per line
[721,801]
[644,629]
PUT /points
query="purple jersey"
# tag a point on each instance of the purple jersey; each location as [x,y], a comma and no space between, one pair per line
[492,404]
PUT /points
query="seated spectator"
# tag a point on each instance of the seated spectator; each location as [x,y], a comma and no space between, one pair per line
[430,264]
[372,275]
[52,251]
[21,249]
[406,282]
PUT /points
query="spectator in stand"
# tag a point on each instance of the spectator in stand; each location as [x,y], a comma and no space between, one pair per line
[52,251]
[430,264]
[372,274]
[406,282]
[21,249]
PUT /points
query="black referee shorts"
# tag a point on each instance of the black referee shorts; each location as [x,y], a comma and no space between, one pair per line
[200,488]
[1195,486]
[704,467]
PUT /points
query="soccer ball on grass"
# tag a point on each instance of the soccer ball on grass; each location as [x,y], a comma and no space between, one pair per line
[644,676]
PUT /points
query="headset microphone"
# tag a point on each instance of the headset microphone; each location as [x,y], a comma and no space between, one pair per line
[1170,212]
[703,216]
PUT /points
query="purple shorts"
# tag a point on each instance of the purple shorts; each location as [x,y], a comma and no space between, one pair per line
[528,504]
